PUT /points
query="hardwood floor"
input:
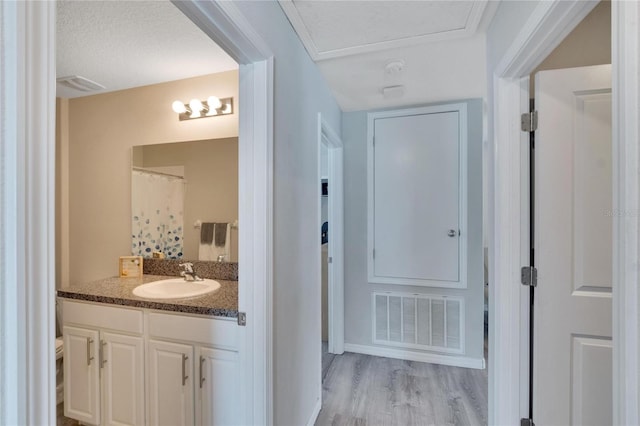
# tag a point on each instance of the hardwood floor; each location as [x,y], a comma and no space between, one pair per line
[362,390]
[327,359]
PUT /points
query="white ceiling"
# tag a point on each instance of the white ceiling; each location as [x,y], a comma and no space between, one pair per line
[125,44]
[438,48]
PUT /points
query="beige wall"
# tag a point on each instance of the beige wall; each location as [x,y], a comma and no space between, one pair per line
[102,130]
[588,44]
[62,191]
[211,172]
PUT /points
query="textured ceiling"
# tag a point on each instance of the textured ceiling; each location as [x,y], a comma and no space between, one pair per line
[125,44]
[341,28]
[436,48]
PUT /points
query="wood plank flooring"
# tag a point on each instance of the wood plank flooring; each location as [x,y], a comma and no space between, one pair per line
[327,359]
[362,390]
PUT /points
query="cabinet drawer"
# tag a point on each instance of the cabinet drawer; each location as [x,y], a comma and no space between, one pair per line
[215,332]
[102,316]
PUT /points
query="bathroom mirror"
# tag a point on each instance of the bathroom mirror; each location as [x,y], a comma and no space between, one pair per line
[175,187]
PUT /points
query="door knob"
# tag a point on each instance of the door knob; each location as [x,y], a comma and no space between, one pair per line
[452,233]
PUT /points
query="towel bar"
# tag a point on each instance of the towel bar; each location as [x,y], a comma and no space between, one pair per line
[198,224]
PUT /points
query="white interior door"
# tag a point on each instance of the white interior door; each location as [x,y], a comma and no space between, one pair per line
[572,351]
[416,195]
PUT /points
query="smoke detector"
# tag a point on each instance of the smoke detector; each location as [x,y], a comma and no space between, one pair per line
[392,92]
[81,84]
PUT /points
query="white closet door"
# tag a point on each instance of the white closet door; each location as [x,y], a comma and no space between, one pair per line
[416,198]
[572,351]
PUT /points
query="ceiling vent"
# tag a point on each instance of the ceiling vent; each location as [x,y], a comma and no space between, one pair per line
[81,84]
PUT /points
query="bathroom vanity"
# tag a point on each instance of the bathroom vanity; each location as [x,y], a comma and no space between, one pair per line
[135,361]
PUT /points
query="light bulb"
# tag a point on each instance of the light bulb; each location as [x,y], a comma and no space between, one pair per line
[196,105]
[214,102]
[178,107]
[226,108]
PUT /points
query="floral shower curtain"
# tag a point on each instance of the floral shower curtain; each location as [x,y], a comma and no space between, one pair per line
[156,202]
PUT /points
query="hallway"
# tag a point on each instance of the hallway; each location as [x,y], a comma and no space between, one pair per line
[365,390]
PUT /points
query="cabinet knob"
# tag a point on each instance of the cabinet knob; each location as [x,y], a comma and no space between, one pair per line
[452,233]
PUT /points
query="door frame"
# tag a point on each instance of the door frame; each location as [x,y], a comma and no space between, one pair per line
[27,154]
[227,26]
[546,27]
[329,138]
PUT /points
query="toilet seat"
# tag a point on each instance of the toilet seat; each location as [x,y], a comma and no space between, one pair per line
[59,347]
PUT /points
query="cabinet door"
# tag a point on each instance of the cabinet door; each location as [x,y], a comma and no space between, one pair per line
[122,379]
[170,383]
[218,401]
[81,375]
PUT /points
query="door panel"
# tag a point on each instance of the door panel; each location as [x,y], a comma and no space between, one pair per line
[593,181]
[417,197]
[123,379]
[219,398]
[591,388]
[81,375]
[572,368]
[170,392]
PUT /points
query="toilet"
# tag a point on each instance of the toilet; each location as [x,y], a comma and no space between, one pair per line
[59,361]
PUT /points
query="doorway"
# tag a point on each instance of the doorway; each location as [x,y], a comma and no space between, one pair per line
[33,283]
[331,211]
[548,24]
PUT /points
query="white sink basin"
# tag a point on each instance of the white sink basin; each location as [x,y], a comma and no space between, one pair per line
[175,288]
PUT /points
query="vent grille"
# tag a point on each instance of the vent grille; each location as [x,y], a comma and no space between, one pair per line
[79,83]
[419,321]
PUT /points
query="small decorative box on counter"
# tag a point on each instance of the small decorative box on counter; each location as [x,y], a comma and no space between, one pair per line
[130,266]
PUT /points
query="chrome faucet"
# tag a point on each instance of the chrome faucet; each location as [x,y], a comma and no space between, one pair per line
[221,257]
[188,273]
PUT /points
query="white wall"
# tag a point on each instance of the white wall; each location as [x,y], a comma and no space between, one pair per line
[300,93]
[358,318]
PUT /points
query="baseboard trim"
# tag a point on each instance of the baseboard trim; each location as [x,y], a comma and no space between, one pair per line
[315,413]
[454,361]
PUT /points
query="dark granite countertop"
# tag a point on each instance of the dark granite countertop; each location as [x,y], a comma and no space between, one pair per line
[119,291]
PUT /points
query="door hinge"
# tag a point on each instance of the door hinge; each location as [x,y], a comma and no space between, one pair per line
[529,276]
[529,121]
[242,318]
[330,259]
[526,422]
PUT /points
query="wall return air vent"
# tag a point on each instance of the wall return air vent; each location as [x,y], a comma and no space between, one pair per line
[418,321]
[81,84]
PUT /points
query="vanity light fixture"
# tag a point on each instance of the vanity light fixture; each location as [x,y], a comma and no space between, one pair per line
[196,108]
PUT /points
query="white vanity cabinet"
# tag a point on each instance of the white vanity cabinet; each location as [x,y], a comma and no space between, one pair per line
[103,366]
[193,371]
[188,364]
